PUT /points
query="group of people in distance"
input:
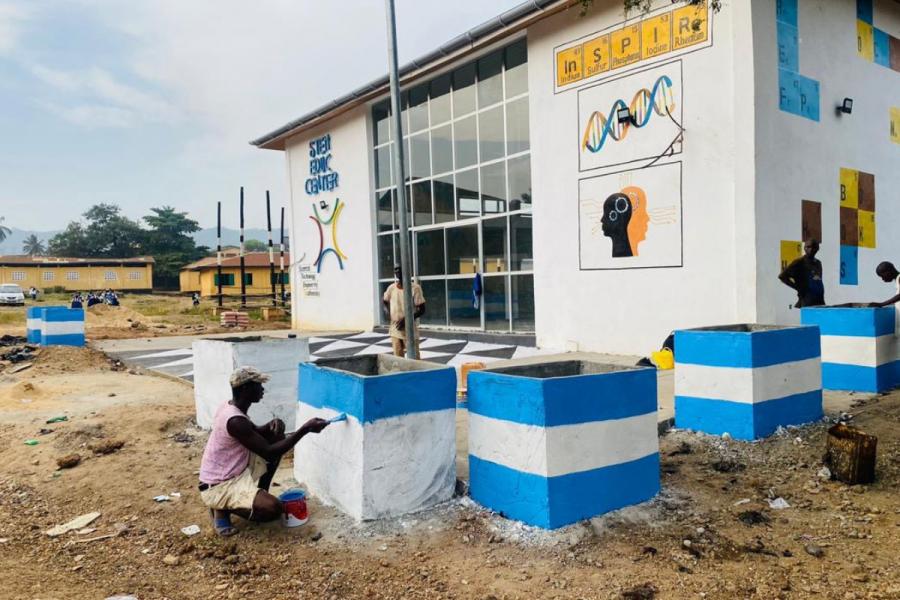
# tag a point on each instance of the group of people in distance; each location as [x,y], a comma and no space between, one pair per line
[804,275]
[108,297]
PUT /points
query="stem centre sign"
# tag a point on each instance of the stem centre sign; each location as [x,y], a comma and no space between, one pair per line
[322,177]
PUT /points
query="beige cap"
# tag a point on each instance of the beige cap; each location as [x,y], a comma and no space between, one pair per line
[244,375]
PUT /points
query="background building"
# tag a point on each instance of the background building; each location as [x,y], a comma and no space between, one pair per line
[600,229]
[78,274]
[201,276]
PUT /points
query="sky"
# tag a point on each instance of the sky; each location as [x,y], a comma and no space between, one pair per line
[147,103]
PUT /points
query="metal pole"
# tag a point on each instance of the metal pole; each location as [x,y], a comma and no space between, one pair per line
[271,250]
[219,252]
[400,181]
[281,263]
[243,279]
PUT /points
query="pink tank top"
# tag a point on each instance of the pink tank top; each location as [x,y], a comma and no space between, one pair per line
[224,457]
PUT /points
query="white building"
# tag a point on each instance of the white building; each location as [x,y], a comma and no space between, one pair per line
[595,234]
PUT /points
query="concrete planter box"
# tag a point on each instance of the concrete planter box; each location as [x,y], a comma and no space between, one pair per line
[62,326]
[859,347]
[33,321]
[216,359]
[554,443]
[747,380]
[396,452]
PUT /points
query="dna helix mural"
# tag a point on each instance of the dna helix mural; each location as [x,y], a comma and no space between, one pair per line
[659,100]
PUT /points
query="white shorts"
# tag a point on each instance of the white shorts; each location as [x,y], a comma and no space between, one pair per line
[239,492]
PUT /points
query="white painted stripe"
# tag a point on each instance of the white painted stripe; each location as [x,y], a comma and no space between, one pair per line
[482,346]
[166,354]
[62,327]
[554,451]
[176,363]
[339,345]
[862,351]
[461,359]
[748,385]
[436,342]
[33,323]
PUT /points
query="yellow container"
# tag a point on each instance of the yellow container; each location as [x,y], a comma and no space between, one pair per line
[663,359]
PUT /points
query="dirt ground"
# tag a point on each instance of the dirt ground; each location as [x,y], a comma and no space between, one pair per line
[141,316]
[710,534]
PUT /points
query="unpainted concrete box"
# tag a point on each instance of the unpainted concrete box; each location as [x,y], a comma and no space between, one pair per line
[747,380]
[396,452]
[216,359]
[860,347]
[554,443]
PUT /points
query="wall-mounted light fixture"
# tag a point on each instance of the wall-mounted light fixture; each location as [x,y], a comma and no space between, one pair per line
[623,115]
[845,107]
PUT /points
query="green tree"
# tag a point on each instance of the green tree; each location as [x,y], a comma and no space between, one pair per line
[170,243]
[106,233]
[32,246]
[255,246]
[4,230]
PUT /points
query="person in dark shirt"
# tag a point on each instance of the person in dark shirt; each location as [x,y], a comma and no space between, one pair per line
[805,276]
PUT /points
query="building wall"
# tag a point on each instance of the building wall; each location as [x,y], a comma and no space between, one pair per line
[345,288]
[801,159]
[189,281]
[691,270]
[80,278]
[206,282]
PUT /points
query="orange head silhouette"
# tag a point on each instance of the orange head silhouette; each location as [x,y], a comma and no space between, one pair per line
[640,218]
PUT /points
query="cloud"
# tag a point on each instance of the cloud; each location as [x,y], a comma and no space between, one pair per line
[11,18]
[94,97]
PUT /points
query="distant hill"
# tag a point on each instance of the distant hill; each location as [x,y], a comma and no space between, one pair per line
[13,243]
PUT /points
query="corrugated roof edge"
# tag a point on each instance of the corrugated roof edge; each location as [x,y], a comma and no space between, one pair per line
[469,37]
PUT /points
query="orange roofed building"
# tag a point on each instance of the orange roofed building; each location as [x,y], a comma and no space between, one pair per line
[201,276]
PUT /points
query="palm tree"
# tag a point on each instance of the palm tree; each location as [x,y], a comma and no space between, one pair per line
[32,246]
[4,230]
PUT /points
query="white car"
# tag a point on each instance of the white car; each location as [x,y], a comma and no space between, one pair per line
[12,294]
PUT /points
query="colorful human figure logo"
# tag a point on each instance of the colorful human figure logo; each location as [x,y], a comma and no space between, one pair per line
[320,224]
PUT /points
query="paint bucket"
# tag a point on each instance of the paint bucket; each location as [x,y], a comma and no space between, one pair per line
[294,505]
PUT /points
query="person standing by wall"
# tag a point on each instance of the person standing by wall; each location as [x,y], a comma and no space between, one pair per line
[394,309]
[888,273]
[805,276]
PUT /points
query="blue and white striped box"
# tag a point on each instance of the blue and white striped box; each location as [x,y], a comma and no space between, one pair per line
[859,347]
[396,451]
[62,327]
[554,443]
[33,322]
[747,380]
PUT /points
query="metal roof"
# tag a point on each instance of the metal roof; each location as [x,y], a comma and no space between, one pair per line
[462,41]
[25,260]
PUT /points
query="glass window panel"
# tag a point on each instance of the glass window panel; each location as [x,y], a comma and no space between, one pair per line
[443,199]
[381,115]
[421,197]
[467,200]
[464,143]
[516,56]
[430,252]
[459,303]
[435,292]
[517,126]
[409,206]
[386,256]
[382,288]
[520,243]
[462,249]
[383,167]
[385,210]
[396,237]
[522,302]
[406,155]
[464,90]
[490,134]
[440,99]
[496,314]
[442,149]
[493,243]
[404,112]
[490,81]
[520,182]
[493,188]
[418,108]
[420,149]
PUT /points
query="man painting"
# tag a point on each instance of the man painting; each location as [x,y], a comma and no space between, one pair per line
[395,311]
[888,273]
[804,275]
[241,458]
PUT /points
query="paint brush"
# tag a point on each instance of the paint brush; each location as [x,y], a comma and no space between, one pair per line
[340,417]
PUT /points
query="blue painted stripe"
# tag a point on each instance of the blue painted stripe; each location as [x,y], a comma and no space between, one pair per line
[552,502]
[746,350]
[33,336]
[378,397]
[857,322]
[788,47]
[882,48]
[786,12]
[865,11]
[62,315]
[562,400]
[69,339]
[856,378]
[747,421]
